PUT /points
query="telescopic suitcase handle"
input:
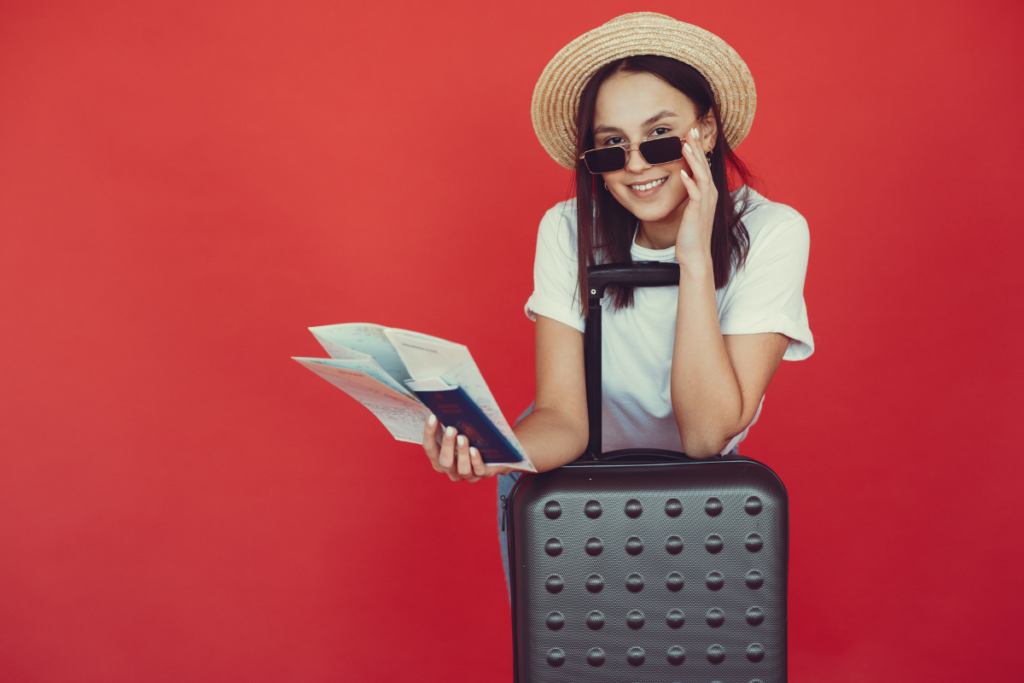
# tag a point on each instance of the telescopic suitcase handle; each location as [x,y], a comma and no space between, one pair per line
[635,274]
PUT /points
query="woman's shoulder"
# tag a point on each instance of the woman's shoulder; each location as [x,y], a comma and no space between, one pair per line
[556,237]
[558,226]
[562,214]
[768,221]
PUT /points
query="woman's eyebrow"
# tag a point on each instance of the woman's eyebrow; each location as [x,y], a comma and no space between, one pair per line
[663,114]
[606,129]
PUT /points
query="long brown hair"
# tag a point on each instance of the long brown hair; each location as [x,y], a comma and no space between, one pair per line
[605,228]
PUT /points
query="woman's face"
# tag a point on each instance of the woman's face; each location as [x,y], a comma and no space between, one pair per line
[632,108]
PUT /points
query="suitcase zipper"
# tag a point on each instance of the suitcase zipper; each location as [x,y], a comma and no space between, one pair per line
[504,507]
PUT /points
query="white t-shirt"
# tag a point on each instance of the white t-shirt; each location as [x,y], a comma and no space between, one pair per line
[766,295]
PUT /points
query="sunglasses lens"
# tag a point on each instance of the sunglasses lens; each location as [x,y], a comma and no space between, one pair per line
[605,160]
[662,150]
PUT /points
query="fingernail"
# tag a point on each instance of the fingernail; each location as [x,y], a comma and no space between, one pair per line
[474,452]
[696,133]
[450,432]
[432,420]
[687,146]
[683,172]
[461,440]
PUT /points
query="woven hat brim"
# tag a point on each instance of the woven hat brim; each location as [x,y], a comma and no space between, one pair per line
[556,96]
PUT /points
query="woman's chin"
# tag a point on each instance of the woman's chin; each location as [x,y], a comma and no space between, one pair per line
[652,213]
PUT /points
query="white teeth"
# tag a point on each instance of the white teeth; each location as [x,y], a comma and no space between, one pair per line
[648,186]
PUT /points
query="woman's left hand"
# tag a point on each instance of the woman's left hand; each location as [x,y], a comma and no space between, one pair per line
[454,456]
[693,241]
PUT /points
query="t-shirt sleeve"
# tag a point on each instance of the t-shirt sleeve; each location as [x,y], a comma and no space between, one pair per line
[767,294]
[555,270]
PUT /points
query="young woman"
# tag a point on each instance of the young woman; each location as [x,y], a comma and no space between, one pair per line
[647,111]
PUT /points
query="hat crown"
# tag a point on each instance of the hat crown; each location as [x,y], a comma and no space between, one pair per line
[639,15]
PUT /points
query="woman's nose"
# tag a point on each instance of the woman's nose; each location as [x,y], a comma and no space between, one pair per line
[635,161]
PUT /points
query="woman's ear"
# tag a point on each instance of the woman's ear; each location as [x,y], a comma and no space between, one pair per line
[708,131]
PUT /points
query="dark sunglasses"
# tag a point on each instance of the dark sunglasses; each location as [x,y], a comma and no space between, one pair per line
[610,159]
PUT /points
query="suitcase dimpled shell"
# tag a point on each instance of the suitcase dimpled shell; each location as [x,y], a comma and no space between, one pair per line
[644,565]
[658,572]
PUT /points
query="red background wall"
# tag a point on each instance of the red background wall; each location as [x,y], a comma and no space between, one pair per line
[186,186]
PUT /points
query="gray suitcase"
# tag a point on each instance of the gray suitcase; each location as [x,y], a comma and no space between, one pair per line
[645,565]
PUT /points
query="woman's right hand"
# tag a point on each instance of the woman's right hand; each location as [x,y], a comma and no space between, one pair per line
[454,456]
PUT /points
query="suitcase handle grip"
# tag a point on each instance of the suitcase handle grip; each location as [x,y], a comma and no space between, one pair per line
[635,274]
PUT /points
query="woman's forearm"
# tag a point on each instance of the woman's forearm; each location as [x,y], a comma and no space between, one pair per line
[706,397]
[552,437]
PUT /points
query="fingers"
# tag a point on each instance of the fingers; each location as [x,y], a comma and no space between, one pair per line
[430,442]
[479,467]
[454,456]
[692,188]
[468,462]
[465,468]
[447,457]
[693,151]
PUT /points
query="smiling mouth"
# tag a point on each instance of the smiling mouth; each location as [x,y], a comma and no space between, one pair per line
[649,186]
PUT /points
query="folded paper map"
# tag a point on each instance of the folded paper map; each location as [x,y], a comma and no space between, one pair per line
[397,374]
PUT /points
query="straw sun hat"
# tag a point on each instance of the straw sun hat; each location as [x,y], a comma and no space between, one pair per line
[556,98]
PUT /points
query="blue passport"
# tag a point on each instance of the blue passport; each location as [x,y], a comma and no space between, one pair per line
[453,408]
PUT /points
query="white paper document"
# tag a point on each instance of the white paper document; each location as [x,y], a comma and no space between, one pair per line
[374,365]
[399,412]
[340,341]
